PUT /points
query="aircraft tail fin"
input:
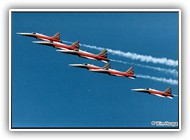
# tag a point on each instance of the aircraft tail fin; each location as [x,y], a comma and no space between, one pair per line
[168,90]
[75,45]
[107,66]
[130,71]
[103,53]
[57,36]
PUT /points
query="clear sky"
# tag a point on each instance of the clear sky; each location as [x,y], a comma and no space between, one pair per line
[46,92]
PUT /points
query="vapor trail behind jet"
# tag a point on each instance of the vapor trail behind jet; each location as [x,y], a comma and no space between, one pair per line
[173,72]
[160,79]
[135,56]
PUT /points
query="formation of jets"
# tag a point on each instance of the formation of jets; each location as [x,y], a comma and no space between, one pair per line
[107,70]
[102,56]
[74,49]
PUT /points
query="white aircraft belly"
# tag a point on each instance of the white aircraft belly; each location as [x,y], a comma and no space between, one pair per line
[116,74]
[159,95]
[89,57]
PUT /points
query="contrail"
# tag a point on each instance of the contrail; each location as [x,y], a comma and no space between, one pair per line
[141,57]
[160,79]
[173,72]
[134,56]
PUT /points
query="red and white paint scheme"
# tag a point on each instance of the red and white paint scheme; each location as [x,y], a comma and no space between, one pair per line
[56,37]
[129,73]
[102,56]
[90,66]
[74,46]
[167,93]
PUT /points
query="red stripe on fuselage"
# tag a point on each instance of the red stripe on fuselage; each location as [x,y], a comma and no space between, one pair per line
[119,73]
[46,37]
[84,54]
[60,45]
[160,93]
[92,67]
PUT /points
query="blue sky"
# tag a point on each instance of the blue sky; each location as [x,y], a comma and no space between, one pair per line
[46,92]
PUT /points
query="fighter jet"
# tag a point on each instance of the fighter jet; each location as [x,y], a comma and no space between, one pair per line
[90,66]
[167,93]
[102,56]
[74,46]
[56,37]
[129,73]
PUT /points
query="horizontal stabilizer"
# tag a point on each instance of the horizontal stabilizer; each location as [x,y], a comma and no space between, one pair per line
[132,77]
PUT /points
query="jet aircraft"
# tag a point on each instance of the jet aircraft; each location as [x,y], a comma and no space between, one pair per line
[129,73]
[102,56]
[74,46]
[90,66]
[167,93]
[56,37]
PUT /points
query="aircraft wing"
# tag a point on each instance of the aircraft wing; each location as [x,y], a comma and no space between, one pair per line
[68,51]
[99,70]
[43,43]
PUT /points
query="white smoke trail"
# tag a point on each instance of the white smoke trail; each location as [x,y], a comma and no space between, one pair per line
[143,58]
[134,56]
[160,79]
[173,72]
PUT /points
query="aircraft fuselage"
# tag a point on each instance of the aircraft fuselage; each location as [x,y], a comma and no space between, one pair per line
[154,92]
[62,46]
[91,56]
[40,36]
[119,73]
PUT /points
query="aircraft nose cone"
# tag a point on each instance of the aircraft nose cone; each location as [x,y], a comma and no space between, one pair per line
[73,65]
[134,89]
[26,34]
